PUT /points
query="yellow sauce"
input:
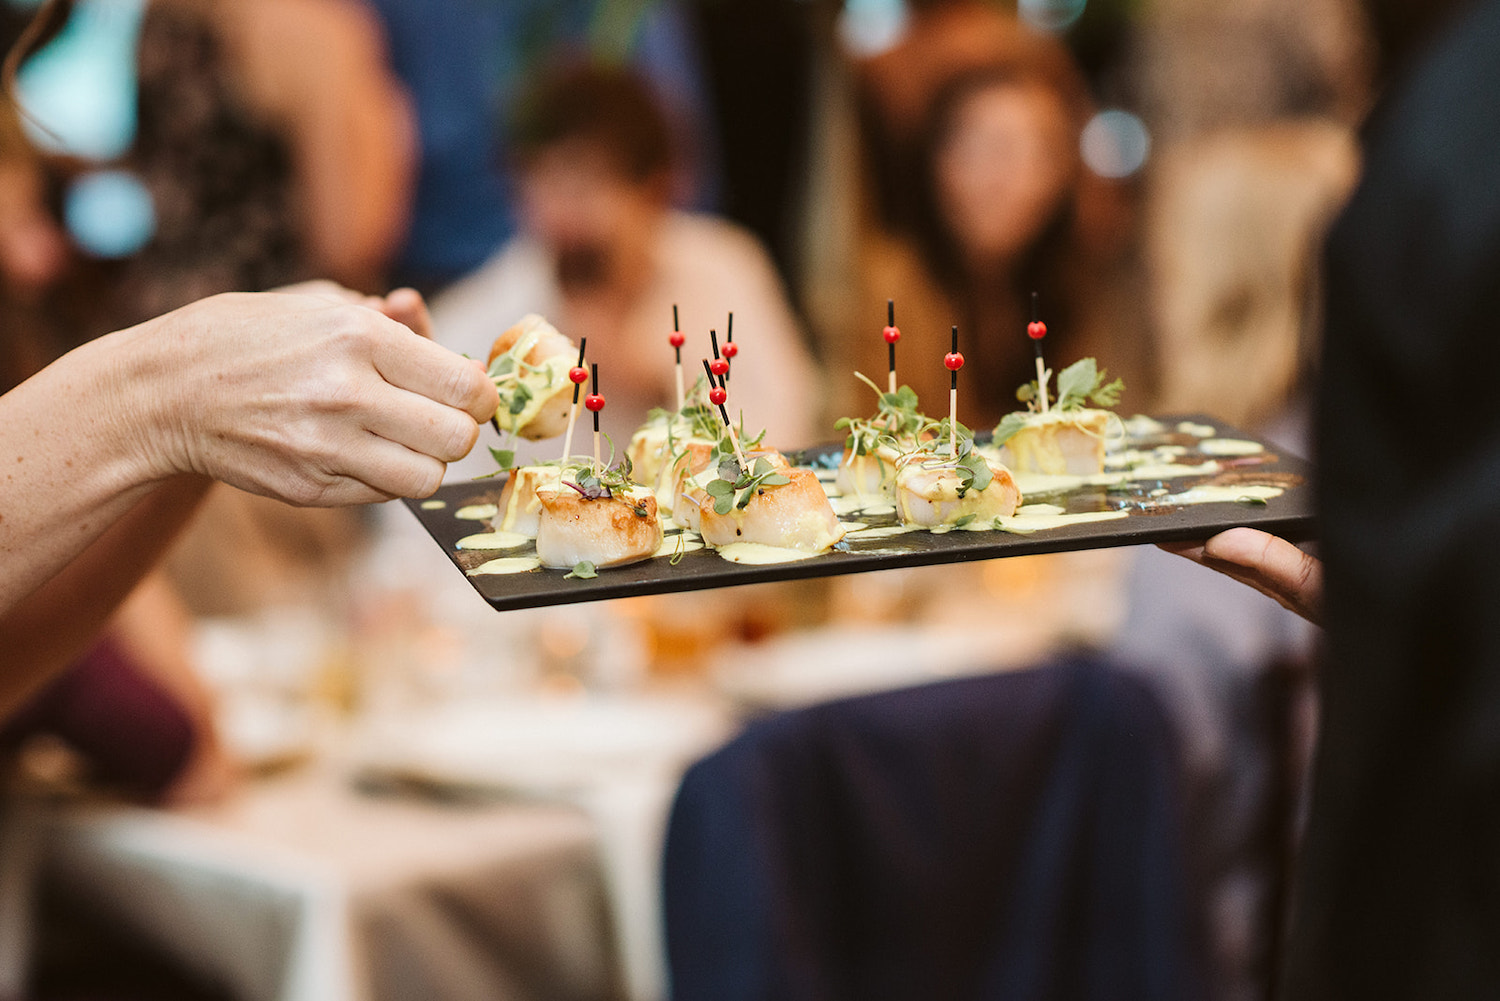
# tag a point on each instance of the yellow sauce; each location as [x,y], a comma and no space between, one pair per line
[476,512]
[494,540]
[685,543]
[1025,524]
[880,533]
[508,565]
[1231,446]
[1224,494]
[1196,430]
[1141,426]
[853,526]
[755,554]
[434,505]
[1045,483]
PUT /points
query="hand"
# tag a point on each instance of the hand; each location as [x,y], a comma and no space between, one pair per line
[404,305]
[311,399]
[1271,565]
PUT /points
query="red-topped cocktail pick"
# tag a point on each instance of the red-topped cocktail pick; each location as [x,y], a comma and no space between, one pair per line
[892,334]
[718,396]
[1036,330]
[954,361]
[677,340]
[578,374]
[595,402]
[731,349]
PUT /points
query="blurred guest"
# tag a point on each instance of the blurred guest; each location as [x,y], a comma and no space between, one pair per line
[465,61]
[605,256]
[1006,208]
[272,143]
[942,39]
[318,71]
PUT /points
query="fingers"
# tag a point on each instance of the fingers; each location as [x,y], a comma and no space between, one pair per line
[1265,562]
[420,366]
[423,426]
[406,306]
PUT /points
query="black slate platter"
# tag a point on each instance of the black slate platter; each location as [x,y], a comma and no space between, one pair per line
[1289,515]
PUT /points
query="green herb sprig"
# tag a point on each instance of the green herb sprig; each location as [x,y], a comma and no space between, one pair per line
[734,487]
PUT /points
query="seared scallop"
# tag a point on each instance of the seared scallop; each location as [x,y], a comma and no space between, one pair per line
[928,494]
[605,531]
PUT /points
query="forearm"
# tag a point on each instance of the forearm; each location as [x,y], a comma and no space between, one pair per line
[45,632]
[71,464]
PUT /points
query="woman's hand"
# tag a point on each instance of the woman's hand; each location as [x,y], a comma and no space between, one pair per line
[310,398]
[1271,565]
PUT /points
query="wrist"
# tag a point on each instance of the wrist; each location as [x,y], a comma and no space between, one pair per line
[132,411]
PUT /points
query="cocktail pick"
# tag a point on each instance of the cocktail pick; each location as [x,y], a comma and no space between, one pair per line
[730,349]
[719,367]
[954,361]
[718,395]
[892,334]
[1036,330]
[578,374]
[677,340]
[595,402]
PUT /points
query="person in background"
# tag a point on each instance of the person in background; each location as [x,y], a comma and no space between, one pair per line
[1005,207]
[604,255]
[319,73]
[465,62]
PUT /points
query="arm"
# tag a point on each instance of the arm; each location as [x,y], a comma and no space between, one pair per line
[1271,565]
[104,454]
[320,68]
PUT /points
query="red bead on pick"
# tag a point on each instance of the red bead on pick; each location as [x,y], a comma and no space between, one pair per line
[954,361]
[677,340]
[718,366]
[594,402]
[1036,330]
[579,375]
[731,349]
[717,396]
[892,335]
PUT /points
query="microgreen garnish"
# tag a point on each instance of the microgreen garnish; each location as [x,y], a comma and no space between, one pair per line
[1078,385]
[897,417]
[974,473]
[583,570]
[733,487]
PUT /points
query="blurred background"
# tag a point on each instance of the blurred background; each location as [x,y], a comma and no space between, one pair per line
[310,762]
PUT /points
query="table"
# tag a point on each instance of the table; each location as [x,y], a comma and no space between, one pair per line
[301,887]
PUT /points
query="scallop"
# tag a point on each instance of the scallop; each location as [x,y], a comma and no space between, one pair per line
[519,509]
[606,531]
[927,495]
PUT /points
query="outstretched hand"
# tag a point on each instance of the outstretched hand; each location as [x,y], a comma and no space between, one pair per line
[317,399]
[1271,565]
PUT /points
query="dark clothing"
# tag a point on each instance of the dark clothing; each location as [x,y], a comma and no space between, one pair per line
[1399,888]
[133,735]
[1009,836]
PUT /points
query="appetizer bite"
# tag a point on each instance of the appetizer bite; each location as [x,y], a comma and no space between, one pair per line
[1067,437]
[672,445]
[529,364]
[770,504]
[875,445]
[590,520]
[938,489]
[519,509]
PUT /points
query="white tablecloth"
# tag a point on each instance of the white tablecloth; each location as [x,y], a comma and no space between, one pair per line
[302,888]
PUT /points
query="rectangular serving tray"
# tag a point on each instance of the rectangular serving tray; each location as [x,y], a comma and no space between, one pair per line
[1289,515]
